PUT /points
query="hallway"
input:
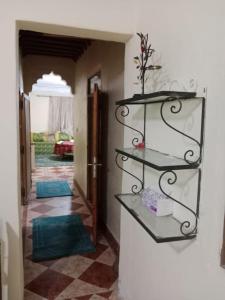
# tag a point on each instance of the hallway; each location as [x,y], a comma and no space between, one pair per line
[79,277]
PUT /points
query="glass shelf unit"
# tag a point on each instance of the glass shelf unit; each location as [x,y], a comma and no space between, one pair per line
[157,160]
[157,97]
[161,229]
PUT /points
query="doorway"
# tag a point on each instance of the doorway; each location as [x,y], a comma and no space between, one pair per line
[97,108]
[102,260]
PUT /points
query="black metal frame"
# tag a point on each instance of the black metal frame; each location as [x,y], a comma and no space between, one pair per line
[165,96]
[184,166]
[124,113]
[175,99]
[157,239]
[134,187]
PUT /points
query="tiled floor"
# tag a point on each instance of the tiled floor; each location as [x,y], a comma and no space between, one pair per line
[78,277]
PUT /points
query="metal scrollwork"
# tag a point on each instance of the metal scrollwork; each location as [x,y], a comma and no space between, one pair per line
[175,108]
[123,111]
[135,188]
[186,227]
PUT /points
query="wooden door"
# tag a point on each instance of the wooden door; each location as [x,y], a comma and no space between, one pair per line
[96,169]
[25,146]
[28,142]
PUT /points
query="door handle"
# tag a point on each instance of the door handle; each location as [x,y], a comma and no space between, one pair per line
[94,169]
[94,162]
[94,166]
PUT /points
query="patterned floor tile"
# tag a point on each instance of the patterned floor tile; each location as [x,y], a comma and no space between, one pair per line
[107,257]
[79,288]
[106,295]
[49,284]
[42,208]
[97,297]
[32,296]
[83,217]
[79,200]
[32,270]
[33,214]
[99,250]
[28,247]
[78,277]
[102,240]
[28,231]
[83,209]
[72,266]
[59,212]
[46,263]
[59,201]
[100,275]
[84,297]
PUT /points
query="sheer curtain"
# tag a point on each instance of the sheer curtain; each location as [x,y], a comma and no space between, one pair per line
[67,115]
[60,115]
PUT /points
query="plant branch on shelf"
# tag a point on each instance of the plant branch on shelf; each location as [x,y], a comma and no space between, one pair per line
[142,59]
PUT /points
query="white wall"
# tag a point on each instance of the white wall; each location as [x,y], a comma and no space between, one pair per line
[68,19]
[39,110]
[35,66]
[107,57]
[188,35]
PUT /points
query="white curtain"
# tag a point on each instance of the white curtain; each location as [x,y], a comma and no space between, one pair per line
[60,115]
[67,115]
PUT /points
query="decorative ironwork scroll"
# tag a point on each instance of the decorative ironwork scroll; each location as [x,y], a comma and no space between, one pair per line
[186,227]
[175,108]
[123,111]
[135,188]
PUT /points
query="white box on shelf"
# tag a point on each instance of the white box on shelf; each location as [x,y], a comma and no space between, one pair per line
[157,202]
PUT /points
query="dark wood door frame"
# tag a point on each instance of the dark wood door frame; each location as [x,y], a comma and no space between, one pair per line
[25,151]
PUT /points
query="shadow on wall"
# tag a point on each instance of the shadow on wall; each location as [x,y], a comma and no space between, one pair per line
[11,264]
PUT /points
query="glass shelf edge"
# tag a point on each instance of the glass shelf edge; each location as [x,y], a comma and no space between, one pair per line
[169,96]
[157,167]
[155,238]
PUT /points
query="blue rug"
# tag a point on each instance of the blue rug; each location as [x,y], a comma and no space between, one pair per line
[52,160]
[48,189]
[55,237]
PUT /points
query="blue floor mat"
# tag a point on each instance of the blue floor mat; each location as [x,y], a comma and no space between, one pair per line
[48,189]
[52,160]
[55,237]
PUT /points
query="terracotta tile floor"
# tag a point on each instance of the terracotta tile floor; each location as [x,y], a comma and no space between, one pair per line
[77,277]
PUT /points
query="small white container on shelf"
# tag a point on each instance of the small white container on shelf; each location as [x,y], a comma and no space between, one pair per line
[156,202]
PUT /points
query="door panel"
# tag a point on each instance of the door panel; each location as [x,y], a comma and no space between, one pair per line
[25,153]
[96,157]
[28,143]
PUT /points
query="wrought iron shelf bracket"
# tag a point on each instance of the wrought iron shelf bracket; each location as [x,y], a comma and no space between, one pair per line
[122,111]
[165,229]
[174,100]
[190,157]
[162,229]
[136,188]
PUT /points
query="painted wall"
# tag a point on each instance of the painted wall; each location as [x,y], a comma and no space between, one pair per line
[34,66]
[69,20]
[39,110]
[188,39]
[107,57]
[189,36]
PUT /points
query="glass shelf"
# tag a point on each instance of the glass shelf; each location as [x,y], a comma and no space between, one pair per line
[162,229]
[157,160]
[157,97]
